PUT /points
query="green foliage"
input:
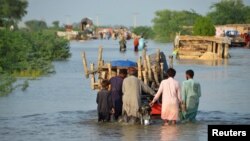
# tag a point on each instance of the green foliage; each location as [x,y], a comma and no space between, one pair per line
[167,23]
[12,11]
[36,25]
[204,27]
[56,24]
[145,30]
[229,12]
[29,54]
[6,82]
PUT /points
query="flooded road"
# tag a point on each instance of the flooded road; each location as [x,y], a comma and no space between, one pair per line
[62,106]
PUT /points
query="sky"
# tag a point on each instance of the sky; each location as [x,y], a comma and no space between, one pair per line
[110,12]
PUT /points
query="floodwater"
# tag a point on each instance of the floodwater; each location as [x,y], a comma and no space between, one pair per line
[62,106]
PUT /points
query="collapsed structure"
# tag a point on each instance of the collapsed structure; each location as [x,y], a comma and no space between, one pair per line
[201,47]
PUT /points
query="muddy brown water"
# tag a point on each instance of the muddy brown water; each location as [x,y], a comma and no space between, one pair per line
[62,106]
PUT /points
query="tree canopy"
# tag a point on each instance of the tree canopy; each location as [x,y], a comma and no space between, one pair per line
[36,25]
[12,11]
[204,27]
[229,12]
[167,23]
[147,32]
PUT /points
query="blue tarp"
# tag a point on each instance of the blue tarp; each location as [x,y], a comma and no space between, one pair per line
[123,63]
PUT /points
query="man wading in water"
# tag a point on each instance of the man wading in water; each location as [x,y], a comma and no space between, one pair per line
[132,89]
[116,92]
[191,92]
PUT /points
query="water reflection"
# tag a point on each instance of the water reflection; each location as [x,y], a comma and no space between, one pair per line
[169,133]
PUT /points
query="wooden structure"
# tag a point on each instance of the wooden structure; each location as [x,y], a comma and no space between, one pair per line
[201,47]
[151,69]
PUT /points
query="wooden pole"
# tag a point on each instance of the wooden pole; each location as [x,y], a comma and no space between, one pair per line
[117,72]
[162,76]
[145,64]
[85,65]
[100,57]
[214,47]
[92,76]
[145,77]
[226,54]
[144,54]
[149,68]
[139,69]
[155,75]
[109,70]
[157,56]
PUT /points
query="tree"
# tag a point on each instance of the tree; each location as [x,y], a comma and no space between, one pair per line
[204,27]
[12,11]
[36,25]
[55,24]
[145,30]
[167,23]
[229,12]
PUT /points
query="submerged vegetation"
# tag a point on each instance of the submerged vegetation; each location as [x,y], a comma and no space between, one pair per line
[28,54]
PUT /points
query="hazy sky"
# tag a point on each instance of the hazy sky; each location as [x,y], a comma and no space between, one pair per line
[110,12]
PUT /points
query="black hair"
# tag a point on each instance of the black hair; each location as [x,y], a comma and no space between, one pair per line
[190,73]
[123,71]
[105,83]
[171,72]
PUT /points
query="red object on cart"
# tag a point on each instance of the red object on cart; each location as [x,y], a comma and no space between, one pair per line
[156,109]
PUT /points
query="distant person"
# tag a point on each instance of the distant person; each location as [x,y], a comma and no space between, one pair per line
[104,101]
[191,92]
[171,98]
[101,35]
[136,43]
[142,43]
[132,89]
[123,43]
[116,92]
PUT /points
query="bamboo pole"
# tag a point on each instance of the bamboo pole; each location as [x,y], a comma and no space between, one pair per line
[139,68]
[92,76]
[100,57]
[162,75]
[85,65]
[158,56]
[149,68]
[155,75]
[117,72]
[144,54]
[109,71]
[145,77]
[145,65]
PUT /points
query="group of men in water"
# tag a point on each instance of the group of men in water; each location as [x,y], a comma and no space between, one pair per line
[120,97]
